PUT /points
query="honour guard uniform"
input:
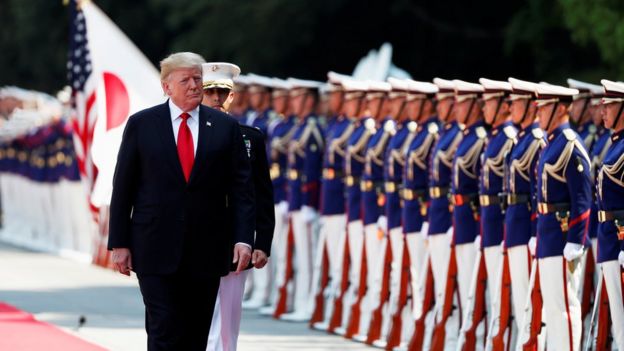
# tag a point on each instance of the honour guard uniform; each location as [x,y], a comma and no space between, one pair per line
[281,130]
[610,192]
[259,91]
[373,202]
[464,189]
[439,213]
[564,201]
[240,106]
[501,139]
[521,209]
[365,128]
[423,134]
[304,173]
[333,217]
[393,163]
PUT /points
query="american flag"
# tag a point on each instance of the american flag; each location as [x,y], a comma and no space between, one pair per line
[80,77]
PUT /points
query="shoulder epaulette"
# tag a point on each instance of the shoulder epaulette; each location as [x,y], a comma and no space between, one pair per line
[569,134]
[432,128]
[510,132]
[537,133]
[481,133]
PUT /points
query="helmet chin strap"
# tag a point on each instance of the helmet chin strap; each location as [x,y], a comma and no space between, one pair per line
[472,102]
[617,118]
[585,104]
[552,114]
[526,112]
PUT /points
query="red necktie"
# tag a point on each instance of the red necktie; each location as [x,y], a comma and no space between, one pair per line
[186,151]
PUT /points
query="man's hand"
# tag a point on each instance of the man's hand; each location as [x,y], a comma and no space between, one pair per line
[242,255]
[259,259]
[122,260]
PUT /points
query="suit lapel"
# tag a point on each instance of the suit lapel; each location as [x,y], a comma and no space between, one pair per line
[165,131]
[204,136]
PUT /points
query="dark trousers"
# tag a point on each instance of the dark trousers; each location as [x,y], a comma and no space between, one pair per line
[178,310]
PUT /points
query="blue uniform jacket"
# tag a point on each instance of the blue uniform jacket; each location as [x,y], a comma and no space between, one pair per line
[304,165]
[332,183]
[563,180]
[465,184]
[611,198]
[498,147]
[354,165]
[281,130]
[373,196]
[394,161]
[440,166]
[521,217]
[415,195]
[597,155]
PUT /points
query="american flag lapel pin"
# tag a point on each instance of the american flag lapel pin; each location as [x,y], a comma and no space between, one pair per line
[208,124]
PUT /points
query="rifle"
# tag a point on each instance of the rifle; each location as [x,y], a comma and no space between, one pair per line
[319,299]
[336,317]
[374,330]
[439,331]
[282,300]
[533,310]
[418,337]
[476,309]
[504,305]
[394,336]
[588,290]
[356,310]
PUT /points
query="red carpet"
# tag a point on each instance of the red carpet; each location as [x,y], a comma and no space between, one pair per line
[20,331]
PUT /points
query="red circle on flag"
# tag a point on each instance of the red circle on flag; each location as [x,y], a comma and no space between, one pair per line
[117,100]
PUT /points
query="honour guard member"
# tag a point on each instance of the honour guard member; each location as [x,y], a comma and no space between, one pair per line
[281,130]
[393,163]
[259,91]
[365,127]
[611,217]
[240,106]
[439,215]
[304,174]
[580,111]
[217,86]
[564,201]
[335,97]
[501,138]
[464,189]
[520,185]
[333,220]
[373,203]
[423,133]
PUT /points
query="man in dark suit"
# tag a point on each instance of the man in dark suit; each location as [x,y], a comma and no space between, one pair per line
[218,87]
[182,169]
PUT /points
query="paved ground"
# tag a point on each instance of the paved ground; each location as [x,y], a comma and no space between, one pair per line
[59,291]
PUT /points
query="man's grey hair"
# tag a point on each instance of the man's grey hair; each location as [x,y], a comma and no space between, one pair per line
[179,60]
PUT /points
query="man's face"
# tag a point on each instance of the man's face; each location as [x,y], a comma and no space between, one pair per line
[395,106]
[413,109]
[518,108]
[609,114]
[256,99]
[443,108]
[217,98]
[183,86]
[296,103]
[280,104]
[335,102]
[374,105]
[352,107]
[544,114]
[462,110]
[576,110]
[489,110]
[596,114]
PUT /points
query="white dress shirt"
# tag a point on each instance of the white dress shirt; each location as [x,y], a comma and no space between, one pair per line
[192,122]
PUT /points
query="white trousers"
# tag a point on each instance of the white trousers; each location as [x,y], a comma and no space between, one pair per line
[303,264]
[331,238]
[562,308]
[277,261]
[612,276]
[439,252]
[355,237]
[375,250]
[519,262]
[226,319]
[419,266]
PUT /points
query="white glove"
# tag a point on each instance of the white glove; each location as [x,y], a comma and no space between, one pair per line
[382,223]
[572,251]
[532,245]
[424,230]
[282,209]
[621,258]
[477,242]
[309,215]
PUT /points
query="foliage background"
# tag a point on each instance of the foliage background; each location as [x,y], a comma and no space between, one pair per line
[539,40]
